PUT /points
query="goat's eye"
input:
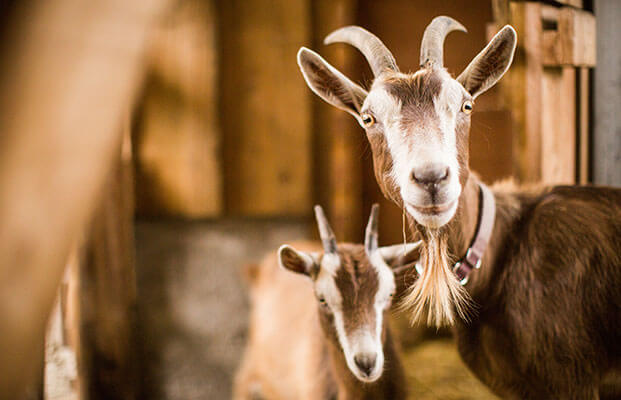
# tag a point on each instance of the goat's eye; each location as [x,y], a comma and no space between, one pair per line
[367,120]
[322,301]
[466,107]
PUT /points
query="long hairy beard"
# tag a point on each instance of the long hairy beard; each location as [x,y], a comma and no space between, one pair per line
[437,292]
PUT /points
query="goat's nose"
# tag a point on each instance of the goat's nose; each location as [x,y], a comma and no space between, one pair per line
[366,362]
[430,174]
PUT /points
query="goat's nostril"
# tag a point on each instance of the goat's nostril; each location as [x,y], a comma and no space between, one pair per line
[366,362]
[430,175]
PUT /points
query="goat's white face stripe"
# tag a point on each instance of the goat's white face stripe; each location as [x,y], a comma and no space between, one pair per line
[365,339]
[432,140]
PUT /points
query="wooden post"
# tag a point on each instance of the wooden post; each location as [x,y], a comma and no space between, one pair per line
[108,292]
[265,107]
[338,163]
[68,72]
[584,126]
[525,89]
[177,126]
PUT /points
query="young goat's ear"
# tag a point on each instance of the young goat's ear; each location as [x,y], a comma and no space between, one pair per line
[398,255]
[490,64]
[330,84]
[295,261]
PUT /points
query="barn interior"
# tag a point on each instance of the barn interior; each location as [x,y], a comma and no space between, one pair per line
[152,150]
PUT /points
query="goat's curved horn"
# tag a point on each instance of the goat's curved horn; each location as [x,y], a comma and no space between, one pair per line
[370,237]
[431,48]
[325,232]
[376,53]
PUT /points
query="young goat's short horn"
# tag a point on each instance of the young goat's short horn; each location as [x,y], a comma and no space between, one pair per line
[325,232]
[370,237]
[432,46]
[377,54]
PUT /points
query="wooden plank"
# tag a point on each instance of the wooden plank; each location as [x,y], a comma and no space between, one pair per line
[525,90]
[584,134]
[177,133]
[573,43]
[266,107]
[338,178]
[108,293]
[76,67]
[607,102]
[558,147]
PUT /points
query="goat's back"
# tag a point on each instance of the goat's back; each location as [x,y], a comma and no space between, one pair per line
[552,313]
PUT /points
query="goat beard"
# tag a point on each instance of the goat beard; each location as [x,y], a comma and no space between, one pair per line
[437,293]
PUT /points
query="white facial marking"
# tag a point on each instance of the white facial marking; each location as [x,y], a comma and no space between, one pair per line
[365,340]
[430,141]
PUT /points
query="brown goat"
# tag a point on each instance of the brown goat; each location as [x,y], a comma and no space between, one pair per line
[320,332]
[539,315]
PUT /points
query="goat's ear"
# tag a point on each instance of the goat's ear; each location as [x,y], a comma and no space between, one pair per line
[295,261]
[491,63]
[330,84]
[398,255]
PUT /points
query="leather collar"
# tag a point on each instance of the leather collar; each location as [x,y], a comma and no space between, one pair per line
[485,226]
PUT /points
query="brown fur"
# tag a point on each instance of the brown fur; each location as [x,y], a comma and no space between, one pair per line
[293,351]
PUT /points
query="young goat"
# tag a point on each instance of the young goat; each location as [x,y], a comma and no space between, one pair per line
[321,333]
[535,297]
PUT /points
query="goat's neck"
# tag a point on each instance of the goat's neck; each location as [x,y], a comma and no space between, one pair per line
[391,385]
[461,229]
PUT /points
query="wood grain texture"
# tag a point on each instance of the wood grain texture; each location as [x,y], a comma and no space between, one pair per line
[584,126]
[573,43]
[265,107]
[558,126]
[176,132]
[525,78]
[338,137]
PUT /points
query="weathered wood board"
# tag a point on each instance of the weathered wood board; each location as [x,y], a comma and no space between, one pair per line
[266,105]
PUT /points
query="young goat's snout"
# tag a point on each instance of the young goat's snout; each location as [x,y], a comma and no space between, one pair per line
[367,355]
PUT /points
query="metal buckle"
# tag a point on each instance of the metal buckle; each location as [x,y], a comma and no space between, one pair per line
[455,268]
[478,264]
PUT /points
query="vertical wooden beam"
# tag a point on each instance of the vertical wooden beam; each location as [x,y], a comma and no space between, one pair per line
[558,125]
[177,133]
[338,163]
[525,89]
[265,107]
[108,292]
[584,126]
[68,71]
[607,118]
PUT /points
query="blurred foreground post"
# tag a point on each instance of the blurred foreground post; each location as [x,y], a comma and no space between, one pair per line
[69,71]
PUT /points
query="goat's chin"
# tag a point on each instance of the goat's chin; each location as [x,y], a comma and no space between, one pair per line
[433,219]
[375,375]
